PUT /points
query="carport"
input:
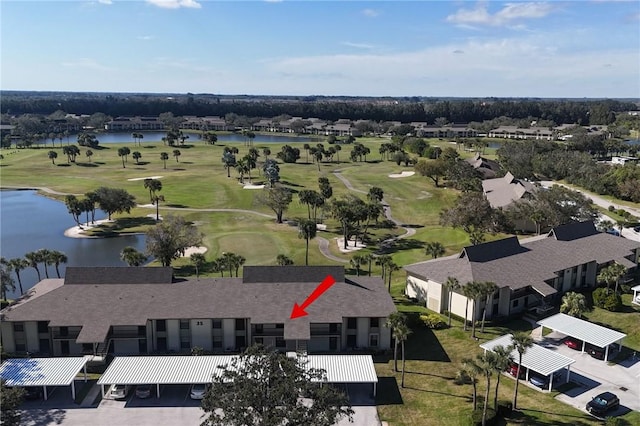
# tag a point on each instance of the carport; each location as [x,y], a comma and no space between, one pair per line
[586,331]
[636,292]
[43,372]
[169,370]
[536,358]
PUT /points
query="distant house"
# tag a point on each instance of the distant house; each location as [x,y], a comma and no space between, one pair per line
[99,311]
[488,168]
[623,160]
[503,191]
[206,123]
[134,123]
[528,274]
[515,132]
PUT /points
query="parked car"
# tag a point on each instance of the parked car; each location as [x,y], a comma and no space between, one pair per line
[573,343]
[538,380]
[198,390]
[120,391]
[637,229]
[596,352]
[143,391]
[33,392]
[603,403]
[513,370]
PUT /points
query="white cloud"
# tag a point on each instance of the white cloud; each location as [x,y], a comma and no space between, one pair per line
[105,1]
[370,13]
[175,4]
[357,45]
[509,13]
[145,37]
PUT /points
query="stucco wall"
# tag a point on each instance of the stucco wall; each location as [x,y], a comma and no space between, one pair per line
[173,335]
[7,336]
[201,334]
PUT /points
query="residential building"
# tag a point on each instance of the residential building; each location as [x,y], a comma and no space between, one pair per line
[503,191]
[528,274]
[134,123]
[488,168]
[99,310]
[515,132]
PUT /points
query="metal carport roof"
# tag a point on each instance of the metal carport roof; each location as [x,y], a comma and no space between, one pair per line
[45,372]
[586,331]
[138,370]
[536,358]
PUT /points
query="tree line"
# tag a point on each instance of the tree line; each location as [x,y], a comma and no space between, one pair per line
[32,259]
[406,110]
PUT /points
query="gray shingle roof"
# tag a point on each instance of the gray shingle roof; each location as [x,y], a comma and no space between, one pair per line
[284,274]
[117,275]
[501,192]
[537,262]
[573,231]
[127,304]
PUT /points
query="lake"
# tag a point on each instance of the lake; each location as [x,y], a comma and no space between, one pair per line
[125,137]
[29,222]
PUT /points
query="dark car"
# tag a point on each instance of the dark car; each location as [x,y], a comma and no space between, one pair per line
[596,352]
[143,391]
[573,343]
[32,392]
[539,381]
[603,403]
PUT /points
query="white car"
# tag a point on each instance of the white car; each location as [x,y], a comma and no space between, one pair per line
[638,298]
[120,391]
[198,391]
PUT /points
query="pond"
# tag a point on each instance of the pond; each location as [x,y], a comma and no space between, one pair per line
[29,222]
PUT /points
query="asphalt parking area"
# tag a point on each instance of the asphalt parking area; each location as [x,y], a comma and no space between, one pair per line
[592,376]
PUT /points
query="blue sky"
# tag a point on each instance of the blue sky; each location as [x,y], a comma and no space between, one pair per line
[359,48]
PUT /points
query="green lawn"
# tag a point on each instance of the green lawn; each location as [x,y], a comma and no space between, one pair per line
[627,321]
[199,181]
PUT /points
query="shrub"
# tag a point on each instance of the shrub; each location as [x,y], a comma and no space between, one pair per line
[613,302]
[433,321]
[599,296]
[611,209]
[505,408]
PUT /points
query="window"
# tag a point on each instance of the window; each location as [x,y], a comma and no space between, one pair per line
[280,343]
[21,347]
[64,347]
[162,344]
[373,340]
[259,340]
[142,346]
[515,303]
[259,328]
[333,328]
[142,330]
[351,341]
[161,325]
[43,327]
[18,327]
[184,324]
[185,344]
[216,323]
[279,325]
[352,323]
[240,324]
[374,322]
[64,331]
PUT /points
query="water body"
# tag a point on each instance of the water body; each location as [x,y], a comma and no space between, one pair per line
[125,137]
[29,222]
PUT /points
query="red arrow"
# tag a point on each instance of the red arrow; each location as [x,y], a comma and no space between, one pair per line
[299,310]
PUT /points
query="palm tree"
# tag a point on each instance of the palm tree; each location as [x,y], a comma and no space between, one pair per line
[153,185]
[176,154]
[573,304]
[122,153]
[402,334]
[472,370]
[164,157]
[434,248]
[6,282]
[356,261]
[89,154]
[156,201]
[521,342]
[612,274]
[502,361]
[229,161]
[198,261]
[383,261]
[307,229]
[241,168]
[52,156]
[17,265]
[486,290]
[452,285]
[487,363]
[136,156]
[56,258]
[132,257]
[469,291]
[394,321]
[391,268]
[33,259]
[283,260]
[44,258]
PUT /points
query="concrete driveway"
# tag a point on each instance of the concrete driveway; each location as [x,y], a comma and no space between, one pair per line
[593,376]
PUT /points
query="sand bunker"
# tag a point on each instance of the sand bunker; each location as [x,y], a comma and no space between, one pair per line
[148,177]
[78,231]
[350,245]
[402,174]
[251,186]
[191,250]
